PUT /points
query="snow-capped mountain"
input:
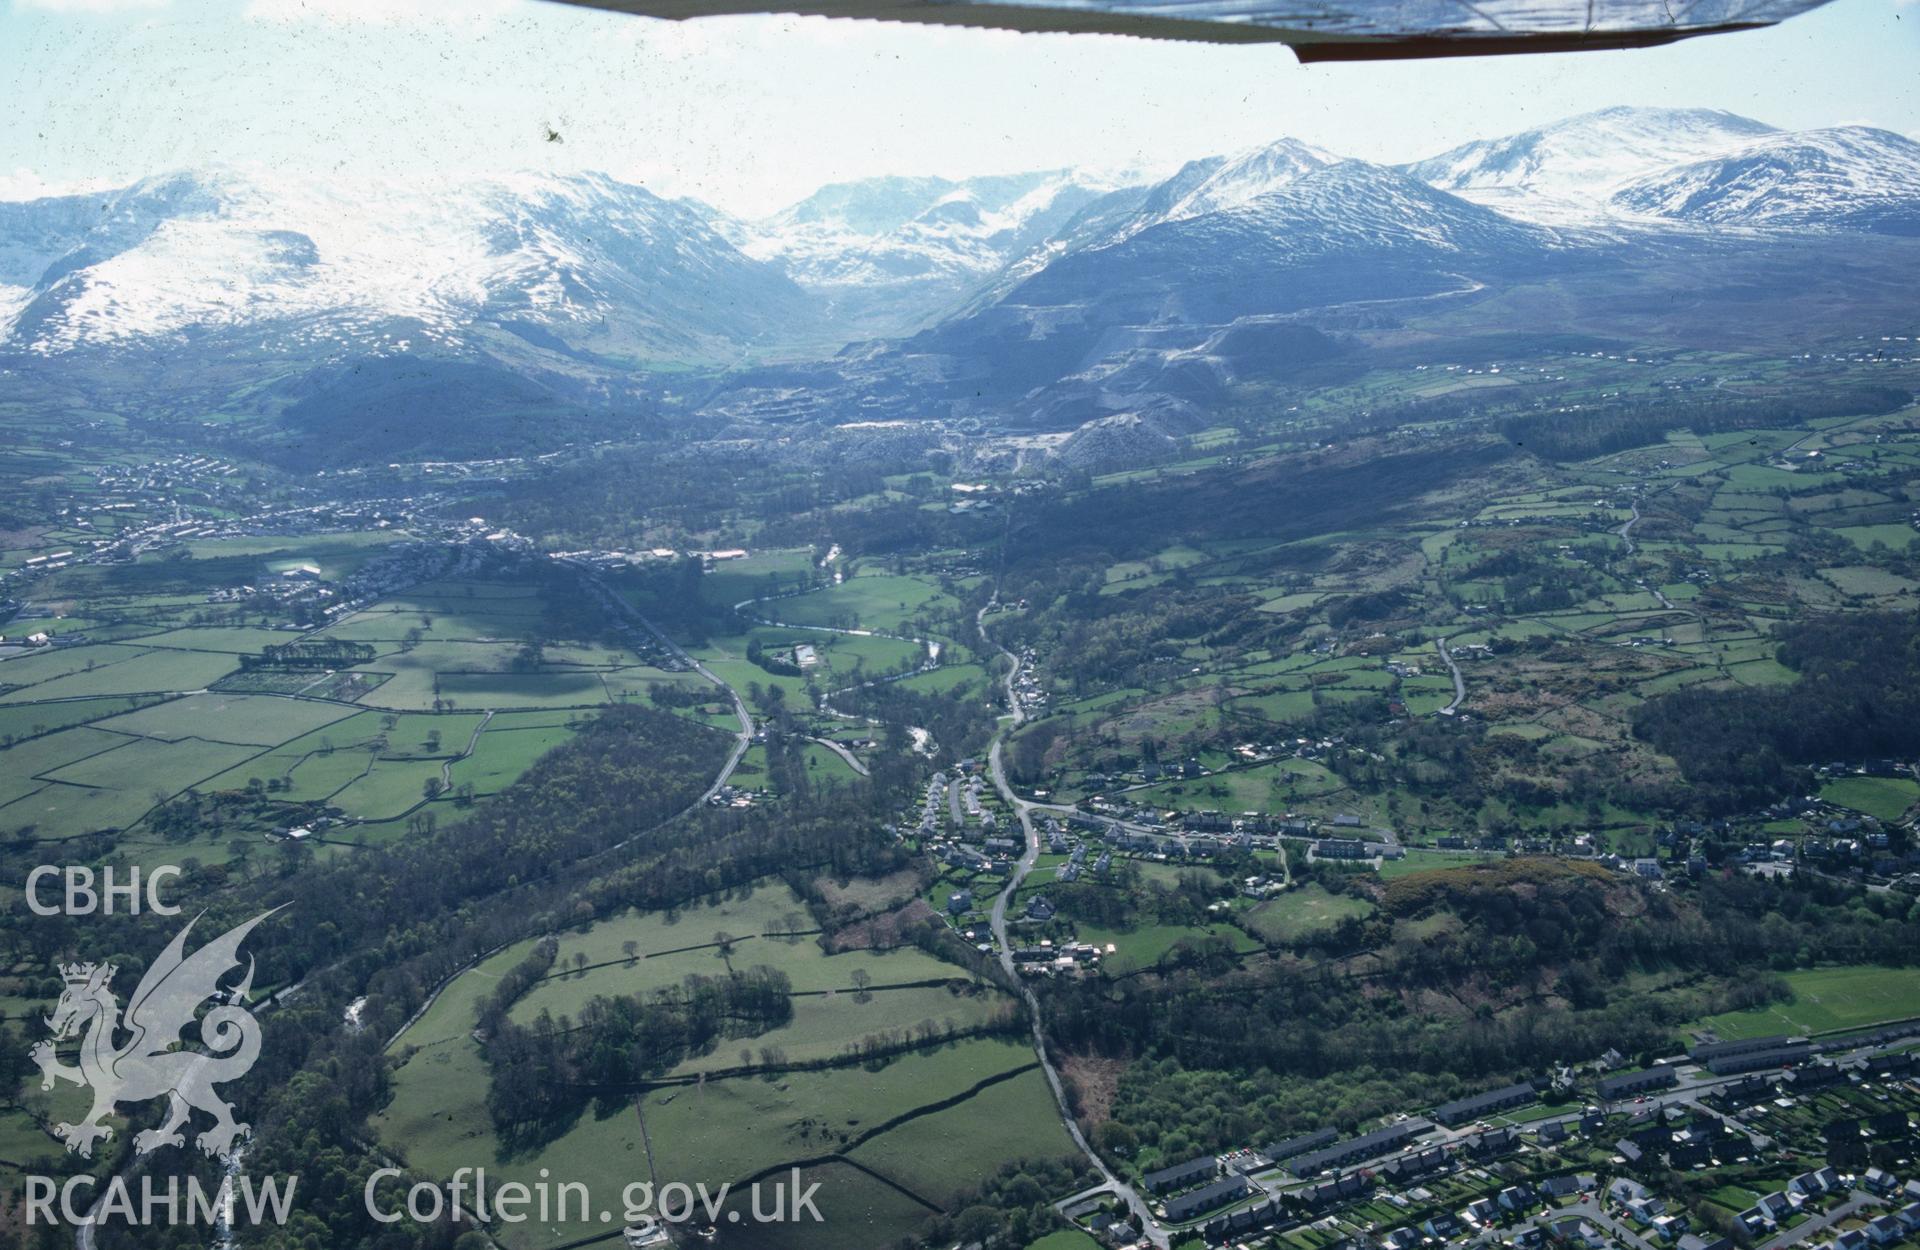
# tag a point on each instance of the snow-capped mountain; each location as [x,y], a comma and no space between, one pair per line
[888,255]
[552,295]
[1846,178]
[1209,185]
[1222,183]
[1352,212]
[1346,232]
[583,264]
[1569,168]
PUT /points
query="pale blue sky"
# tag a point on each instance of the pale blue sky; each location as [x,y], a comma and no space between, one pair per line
[751,113]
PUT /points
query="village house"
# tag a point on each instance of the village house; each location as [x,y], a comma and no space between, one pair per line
[1466,1110]
[1179,1176]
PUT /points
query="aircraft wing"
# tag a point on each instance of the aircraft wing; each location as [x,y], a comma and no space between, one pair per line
[1317,30]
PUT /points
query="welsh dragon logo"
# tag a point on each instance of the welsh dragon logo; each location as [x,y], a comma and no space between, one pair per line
[154,1060]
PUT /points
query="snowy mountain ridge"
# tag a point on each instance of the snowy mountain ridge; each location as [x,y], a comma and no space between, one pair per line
[223,251]
[606,272]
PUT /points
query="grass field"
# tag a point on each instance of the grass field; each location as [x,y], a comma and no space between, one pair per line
[93,735]
[811,972]
[892,1118]
[732,1128]
[939,1156]
[640,951]
[824,1027]
[1065,1239]
[760,573]
[120,669]
[1423,861]
[84,779]
[1898,537]
[254,720]
[825,764]
[1884,798]
[1302,912]
[882,601]
[1263,787]
[502,755]
[32,719]
[848,1199]
[1143,946]
[1826,999]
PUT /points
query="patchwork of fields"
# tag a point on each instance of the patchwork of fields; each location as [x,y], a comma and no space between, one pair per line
[890,1139]
[1567,594]
[145,703]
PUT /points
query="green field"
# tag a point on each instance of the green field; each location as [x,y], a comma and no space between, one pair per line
[118,669]
[1141,947]
[1303,912]
[1898,537]
[93,736]
[934,1122]
[1263,787]
[1422,861]
[254,720]
[502,754]
[30,720]
[1065,1239]
[881,601]
[1883,798]
[811,1114]
[1828,999]
[939,1156]
[847,1199]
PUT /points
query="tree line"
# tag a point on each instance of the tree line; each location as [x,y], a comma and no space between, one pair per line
[544,1074]
[1468,976]
[1856,697]
[1583,433]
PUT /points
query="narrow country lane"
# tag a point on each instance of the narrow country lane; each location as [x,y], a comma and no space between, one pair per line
[1016,716]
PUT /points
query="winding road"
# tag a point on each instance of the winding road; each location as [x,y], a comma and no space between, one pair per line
[1459,682]
[1626,536]
[1626,531]
[852,760]
[743,740]
[1110,1183]
[1015,717]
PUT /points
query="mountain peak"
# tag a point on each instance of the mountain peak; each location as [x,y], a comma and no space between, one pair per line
[281,258]
[1583,159]
[1842,177]
[1222,183]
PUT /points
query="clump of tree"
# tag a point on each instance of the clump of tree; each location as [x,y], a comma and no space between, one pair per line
[1472,975]
[1012,1208]
[546,1073]
[1857,697]
[1602,429]
[772,662]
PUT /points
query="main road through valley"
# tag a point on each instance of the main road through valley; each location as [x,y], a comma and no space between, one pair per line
[1016,715]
